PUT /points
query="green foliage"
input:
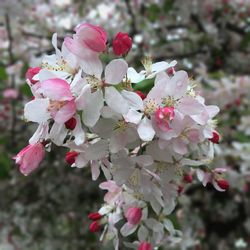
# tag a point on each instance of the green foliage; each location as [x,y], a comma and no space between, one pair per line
[5,164]
[144,86]
[3,75]
[153,12]
[25,89]
[245,41]
[168,6]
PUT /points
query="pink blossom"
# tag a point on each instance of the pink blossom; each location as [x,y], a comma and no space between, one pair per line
[61,105]
[163,116]
[10,93]
[145,246]
[31,72]
[133,215]
[87,37]
[30,157]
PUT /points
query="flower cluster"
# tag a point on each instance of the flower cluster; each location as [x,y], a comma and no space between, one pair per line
[146,143]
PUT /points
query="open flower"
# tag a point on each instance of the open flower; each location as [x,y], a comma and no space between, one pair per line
[58,102]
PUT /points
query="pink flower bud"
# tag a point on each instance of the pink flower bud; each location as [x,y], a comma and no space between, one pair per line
[94,216]
[94,227]
[71,157]
[30,157]
[223,184]
[145,246]
[31,72]
[215,138]
[122,44]
[163,116]
[70,124]
[188,178]
[91,36]
[142,95]
[133,215]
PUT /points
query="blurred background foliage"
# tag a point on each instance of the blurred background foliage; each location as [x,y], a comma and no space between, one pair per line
[210,39]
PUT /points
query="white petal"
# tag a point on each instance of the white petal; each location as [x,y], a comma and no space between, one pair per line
[81,161]
[133,116]
[134,101]
[95,170]
[115,71]
[190,106]
[133,76]
[78,132]
[179,146]
[142,233]
[117,141]
[37,110]
[93,106]
[97,151]
[115,100]
[160,66]
[145,130]
[92,65]
[128,229]
[81,99]
[177,86]
[41,133]
[58,133]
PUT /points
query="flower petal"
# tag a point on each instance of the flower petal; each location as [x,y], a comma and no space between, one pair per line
[93,106]
[115,71]
[56,89]
[134,100]
[115,100]
[145,130]
[65,113]
[37,110]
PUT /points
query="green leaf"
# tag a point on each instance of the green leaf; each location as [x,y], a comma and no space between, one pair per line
[5,166]
[153,12]
[25,89]
[3,74]
[168,5]
[245,41]
[145,85]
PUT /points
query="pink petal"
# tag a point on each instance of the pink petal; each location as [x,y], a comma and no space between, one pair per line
[65,113]
[56,89]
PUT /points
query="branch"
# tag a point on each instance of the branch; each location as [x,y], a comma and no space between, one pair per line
[235,29]
[13,84]
[133,19]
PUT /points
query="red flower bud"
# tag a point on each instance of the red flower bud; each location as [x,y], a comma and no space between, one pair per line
[94,216]
[122,44]
[188,178]
[31,72]
[94,227]
[215,138]
[145,246]
[71,123]
[71,157]
[237,102]
[223,184]
[142,95]
[170,71]
[180,189]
